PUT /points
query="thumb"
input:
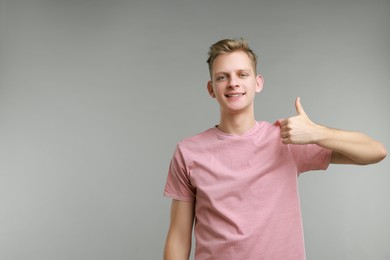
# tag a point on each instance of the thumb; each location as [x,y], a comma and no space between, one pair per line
[299,107]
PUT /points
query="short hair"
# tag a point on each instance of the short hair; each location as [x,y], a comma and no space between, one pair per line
[228,46]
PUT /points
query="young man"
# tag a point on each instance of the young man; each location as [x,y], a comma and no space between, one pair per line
[238,180]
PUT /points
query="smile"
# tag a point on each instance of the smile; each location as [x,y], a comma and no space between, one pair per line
[234,95]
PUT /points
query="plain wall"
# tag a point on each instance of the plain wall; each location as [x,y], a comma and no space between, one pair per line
[94,96]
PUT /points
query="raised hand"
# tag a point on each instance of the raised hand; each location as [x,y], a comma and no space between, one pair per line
[298,129]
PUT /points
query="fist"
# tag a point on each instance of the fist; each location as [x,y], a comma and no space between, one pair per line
[298,129]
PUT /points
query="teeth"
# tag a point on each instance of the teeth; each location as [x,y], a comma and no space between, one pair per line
[234,95]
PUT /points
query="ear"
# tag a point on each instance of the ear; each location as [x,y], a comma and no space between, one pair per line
[259,83]
[210,89]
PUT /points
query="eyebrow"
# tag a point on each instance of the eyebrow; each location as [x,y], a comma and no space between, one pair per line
[239,70]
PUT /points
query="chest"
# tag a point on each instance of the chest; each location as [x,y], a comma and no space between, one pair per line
[243,171]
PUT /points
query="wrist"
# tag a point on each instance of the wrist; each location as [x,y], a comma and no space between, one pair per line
[322,133]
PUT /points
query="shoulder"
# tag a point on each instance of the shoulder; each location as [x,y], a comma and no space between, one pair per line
[193,148]
[196,141]
[268,125]
[269,129]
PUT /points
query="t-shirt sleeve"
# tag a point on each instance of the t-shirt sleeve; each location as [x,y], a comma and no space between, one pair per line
[178,185]
[310,157]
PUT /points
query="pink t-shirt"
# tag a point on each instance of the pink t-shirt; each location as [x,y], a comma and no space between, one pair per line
[245,190]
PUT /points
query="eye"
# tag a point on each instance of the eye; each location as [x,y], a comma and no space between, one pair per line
[244,74]
[221,77]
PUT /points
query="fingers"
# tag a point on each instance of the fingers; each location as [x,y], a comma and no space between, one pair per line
[299,107]
[285,137]
[285,131]
[293,129]
[286,141]
[283,122]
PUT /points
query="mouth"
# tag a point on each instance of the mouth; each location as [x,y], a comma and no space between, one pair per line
[231,95]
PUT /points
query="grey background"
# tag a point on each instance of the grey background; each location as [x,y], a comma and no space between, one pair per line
[94,95]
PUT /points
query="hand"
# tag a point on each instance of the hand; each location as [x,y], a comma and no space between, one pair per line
[298,129]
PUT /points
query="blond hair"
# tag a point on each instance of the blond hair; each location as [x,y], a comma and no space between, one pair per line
[228,46]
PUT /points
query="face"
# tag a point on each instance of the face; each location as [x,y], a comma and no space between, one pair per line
[234,82]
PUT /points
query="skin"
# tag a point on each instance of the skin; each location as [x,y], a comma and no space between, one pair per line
[178,242]
[347,147]
[233,74]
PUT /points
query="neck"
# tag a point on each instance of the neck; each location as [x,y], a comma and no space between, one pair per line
[236,123]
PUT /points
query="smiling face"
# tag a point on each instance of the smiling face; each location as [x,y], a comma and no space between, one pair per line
[234,82]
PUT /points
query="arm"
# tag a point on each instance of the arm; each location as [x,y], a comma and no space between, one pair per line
[348,147]
[178,242]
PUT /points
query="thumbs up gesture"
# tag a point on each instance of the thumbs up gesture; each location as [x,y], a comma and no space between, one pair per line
[298,129]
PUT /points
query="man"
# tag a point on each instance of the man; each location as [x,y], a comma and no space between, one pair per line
[238,180]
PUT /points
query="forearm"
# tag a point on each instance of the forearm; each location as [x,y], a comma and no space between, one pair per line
[358,147]
[347,146]
[176,249]
[178,243]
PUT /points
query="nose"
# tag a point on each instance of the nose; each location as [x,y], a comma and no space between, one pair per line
[233,82]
